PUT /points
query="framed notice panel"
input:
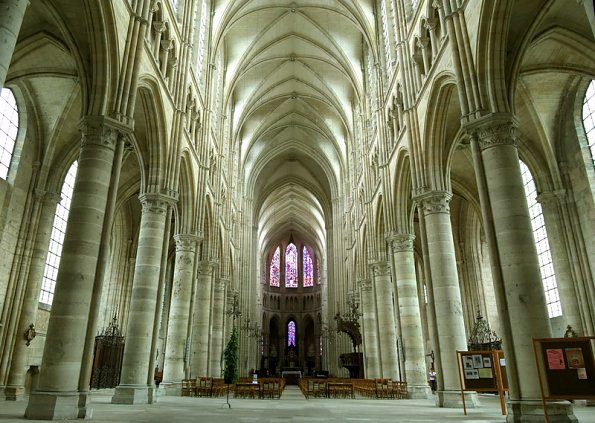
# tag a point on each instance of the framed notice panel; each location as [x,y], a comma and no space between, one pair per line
[482,371]
[566,368]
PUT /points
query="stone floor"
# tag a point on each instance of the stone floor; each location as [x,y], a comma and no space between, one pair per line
[292,407]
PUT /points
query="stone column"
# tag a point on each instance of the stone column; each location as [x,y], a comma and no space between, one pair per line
[554,222]
[447,294]
[411,326]
[201,324]
[514,258]
[15,388]
[179,314]
[11,18]
[386,320]
[371,358]
[57,394]
[133,387]
[217,327]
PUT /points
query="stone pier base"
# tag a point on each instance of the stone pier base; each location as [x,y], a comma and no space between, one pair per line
[131,394]
[452,399]
[14,393]
[419,392]
[532,411]
[53,406]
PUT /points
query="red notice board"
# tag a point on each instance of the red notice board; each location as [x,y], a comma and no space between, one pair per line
[566,368]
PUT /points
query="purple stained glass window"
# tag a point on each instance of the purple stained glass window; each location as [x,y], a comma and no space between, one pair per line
[308,269]
[291,266]
[275,264]
[291,334]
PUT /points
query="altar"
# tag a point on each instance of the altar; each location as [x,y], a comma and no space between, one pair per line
[291,376]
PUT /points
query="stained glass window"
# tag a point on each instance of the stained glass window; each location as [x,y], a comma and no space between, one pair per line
[308,268]
[52,262]
[275,265]
[9,125]
[291,334]
[291,266]
[544,255]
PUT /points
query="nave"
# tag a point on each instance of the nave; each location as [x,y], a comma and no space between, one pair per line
[291,408]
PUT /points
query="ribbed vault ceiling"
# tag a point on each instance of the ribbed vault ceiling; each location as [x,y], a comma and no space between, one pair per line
[293,77]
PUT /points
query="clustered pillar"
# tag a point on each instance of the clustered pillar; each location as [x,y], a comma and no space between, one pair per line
[370,330]
[15,389]
[217,328]
[11,18]
[57,395]
[520,289]
[447,294]
[406,283]
[175,353]
[201,326]
[133,388]
[386,320]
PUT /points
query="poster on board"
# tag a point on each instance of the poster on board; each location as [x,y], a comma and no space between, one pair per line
[555,359]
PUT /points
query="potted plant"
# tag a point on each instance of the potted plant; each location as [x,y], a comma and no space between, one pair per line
[230,358]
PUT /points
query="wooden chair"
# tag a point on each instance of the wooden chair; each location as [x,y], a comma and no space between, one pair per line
[383,388]
[204,387]
[400,389]
[187,388]
[319,388]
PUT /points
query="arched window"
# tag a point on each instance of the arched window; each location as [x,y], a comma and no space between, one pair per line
[589,117]
[546,266]
[52,262]
[291,266]
[308,268]
[291,333]
[274,270]
[9,126]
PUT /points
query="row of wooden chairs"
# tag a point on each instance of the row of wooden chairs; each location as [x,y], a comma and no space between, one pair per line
[381,388]
[269,387]
[215,387]
[327,387]
[204,387]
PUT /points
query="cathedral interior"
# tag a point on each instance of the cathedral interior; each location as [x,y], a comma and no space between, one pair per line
[349,186]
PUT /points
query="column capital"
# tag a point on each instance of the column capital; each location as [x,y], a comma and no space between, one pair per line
[434,202]
[186,242]
[206,267]
[221,284]
[365,284]
[380,268]
[102,130]
[494,130]
[155,203]
[231,295]
[550,198]
[47,197]
[401,242]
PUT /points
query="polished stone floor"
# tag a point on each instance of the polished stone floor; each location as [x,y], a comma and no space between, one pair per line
[292,407]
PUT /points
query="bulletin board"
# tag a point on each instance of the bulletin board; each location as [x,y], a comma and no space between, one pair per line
[566,368]
[482,371]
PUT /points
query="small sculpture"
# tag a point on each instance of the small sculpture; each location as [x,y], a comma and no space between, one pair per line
[30,334]
[570,333]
